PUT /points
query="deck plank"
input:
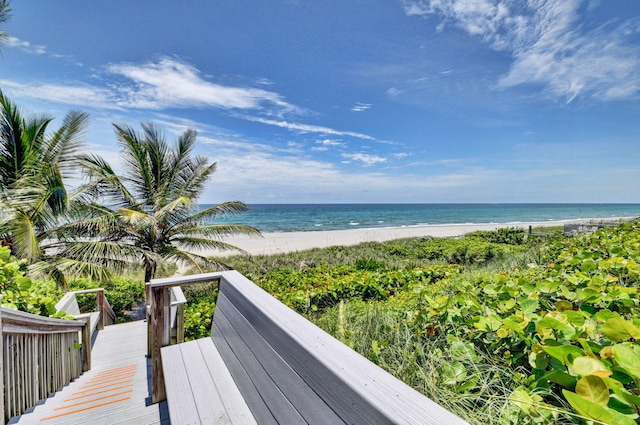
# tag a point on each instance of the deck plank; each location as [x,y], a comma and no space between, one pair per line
[118,380]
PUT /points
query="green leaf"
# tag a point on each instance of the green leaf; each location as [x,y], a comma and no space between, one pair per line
[453,373]
[552,323]
[523,400]
[560,378]
[594,389]
[575,318]
[595,411]
[619,389]
[585,365]
[604,315]
[513,326]
[529,306]
[627,359]
[564,353]
[619,330]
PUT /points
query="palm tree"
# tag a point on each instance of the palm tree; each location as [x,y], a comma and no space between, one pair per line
[5,15]
[153,213]
[34,202]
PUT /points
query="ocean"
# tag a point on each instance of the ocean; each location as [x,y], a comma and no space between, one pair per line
[318,217]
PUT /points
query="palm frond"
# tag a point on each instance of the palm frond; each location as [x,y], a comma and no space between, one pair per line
[225,209]
[24,235]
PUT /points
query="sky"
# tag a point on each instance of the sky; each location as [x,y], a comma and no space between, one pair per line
[352,101]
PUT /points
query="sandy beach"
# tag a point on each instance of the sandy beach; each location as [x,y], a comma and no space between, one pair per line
[284,242]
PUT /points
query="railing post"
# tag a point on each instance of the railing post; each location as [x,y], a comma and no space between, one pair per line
[160,313]
[147,312]
[180,324]
[86,345]
[100,306]
[2,417]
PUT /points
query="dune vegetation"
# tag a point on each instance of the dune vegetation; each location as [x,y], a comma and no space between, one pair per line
[498,327]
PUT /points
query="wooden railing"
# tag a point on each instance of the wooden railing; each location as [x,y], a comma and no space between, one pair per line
[39,356]
[175,319]
[103,315]
[159,318]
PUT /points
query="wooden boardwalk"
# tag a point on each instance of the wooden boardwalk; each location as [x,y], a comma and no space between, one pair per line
[115,391]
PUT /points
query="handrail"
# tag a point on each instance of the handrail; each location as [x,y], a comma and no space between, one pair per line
[159,321]
[39,355]
[69,304]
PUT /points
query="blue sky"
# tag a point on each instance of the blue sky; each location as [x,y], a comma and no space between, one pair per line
[352,100]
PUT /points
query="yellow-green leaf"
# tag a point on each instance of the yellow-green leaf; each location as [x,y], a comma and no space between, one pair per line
[592,410]
[585,365]
[627,359]
[619,330]
[593,388]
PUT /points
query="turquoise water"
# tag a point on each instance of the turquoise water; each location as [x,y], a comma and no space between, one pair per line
[315,217]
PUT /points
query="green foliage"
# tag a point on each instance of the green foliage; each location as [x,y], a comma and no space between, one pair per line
[510,331]
[198,316]
[157,218]
[321,287]
[571,324]
[506,235]
[19,292]
[123,293]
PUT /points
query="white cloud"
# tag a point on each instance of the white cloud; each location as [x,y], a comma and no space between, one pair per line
[305,128]
[172,83]
[401,155]
[25,46]
[326,144]
[361,107]
[329,142]
[366,159]
[167,83]
[549,44]
[76,95]
[242,174]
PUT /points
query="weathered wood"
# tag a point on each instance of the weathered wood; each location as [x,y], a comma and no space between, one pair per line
[100,307]
[161,303]
[178,301]
[192,370]
[39,355]
[86,345]
[289,398]
[287,369]
[358,390]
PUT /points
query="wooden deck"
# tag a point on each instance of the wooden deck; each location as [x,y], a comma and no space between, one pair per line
[115,391]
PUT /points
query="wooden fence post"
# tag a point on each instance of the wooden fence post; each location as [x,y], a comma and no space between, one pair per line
[180,324]
[147,312]
[100,306]
[86,345]
[160,334]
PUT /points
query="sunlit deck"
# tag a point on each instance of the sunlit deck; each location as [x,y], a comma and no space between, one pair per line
[115,391]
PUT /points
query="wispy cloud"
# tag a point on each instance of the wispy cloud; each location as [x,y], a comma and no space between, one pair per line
[169,82]
[163,84]
[306,128]
[360,107]
[77,95]
[364,158]
[549,43]
[26,46]
[326,144]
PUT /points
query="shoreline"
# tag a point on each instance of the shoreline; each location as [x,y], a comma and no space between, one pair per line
[285,242]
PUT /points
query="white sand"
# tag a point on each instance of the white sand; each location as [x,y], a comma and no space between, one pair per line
[284,242]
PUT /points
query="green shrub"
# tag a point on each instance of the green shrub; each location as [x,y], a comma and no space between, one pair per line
[19,292]
[198,316]
[123,294]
